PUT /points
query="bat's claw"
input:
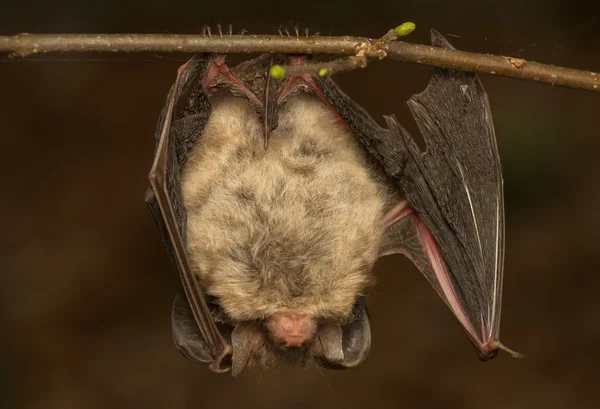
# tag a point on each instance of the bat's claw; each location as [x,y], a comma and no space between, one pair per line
[284,31]
[206,31]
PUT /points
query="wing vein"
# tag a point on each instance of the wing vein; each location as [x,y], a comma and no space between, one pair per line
[465,184]
[495,297]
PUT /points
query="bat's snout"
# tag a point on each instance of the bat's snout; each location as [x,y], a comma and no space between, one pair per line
[291,330]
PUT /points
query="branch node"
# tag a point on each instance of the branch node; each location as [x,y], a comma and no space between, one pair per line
[517,62]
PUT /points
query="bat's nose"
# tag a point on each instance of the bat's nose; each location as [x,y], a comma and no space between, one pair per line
[291,330]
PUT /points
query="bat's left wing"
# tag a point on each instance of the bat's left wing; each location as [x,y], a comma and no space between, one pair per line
[456,190]
[452,225]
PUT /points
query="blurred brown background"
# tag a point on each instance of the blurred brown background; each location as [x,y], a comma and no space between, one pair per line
[86,286]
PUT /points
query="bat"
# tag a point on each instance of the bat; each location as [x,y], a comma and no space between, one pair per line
[276,198]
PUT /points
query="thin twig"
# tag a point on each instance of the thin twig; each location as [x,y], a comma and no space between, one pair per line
[327,68]
[27,44]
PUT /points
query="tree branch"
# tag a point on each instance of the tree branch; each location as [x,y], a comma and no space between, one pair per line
[23,45]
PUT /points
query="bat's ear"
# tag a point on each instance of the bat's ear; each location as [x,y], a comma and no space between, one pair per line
[346,346]
[356,337]
[188,339]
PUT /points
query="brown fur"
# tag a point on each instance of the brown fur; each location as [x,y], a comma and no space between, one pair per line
[294,228]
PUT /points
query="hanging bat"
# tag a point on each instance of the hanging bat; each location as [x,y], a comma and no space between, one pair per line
[276,198]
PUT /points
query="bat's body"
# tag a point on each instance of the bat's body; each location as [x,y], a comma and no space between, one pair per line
[290,231]
[294,228]
[281,237]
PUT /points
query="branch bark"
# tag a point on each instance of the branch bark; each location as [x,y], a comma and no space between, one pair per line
[22,45]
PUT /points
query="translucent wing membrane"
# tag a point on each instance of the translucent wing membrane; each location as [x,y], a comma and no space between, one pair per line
[452,226]
[407,234]
[456,189]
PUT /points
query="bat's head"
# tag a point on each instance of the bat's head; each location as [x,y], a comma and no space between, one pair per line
[284,240]
[291,339]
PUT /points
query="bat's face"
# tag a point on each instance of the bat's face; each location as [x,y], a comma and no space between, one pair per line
[284,238]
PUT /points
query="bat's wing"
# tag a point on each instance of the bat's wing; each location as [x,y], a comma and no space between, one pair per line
[456,189]
[195,332]
[174,139]
[452,226]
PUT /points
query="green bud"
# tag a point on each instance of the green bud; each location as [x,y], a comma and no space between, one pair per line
[277,72]
[323,71]
[405,28]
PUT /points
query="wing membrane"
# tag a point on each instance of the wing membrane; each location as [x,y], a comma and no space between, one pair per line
[453,227]
[456,189]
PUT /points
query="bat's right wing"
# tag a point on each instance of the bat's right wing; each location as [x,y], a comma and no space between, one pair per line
[175,137]
[195,333]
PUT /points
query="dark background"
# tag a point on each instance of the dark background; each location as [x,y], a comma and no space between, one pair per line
[86,286]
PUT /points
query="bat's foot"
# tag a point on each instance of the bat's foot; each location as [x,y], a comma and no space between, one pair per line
[295,82]
[207,30]
[284,31]
[299,74]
